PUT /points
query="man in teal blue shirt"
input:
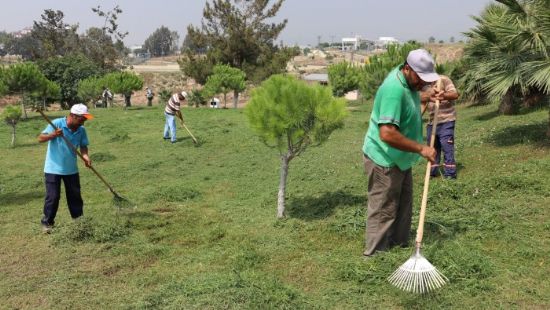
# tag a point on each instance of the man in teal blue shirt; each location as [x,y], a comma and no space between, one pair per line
[61,163]
[392,145]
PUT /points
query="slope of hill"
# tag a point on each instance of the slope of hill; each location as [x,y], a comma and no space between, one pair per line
[446,52]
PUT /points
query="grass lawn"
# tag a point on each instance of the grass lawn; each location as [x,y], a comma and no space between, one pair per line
[204,233]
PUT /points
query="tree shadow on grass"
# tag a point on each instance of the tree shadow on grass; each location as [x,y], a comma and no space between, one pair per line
[19,198]
[522,111]
[522,134]
[315,208]
[487,116]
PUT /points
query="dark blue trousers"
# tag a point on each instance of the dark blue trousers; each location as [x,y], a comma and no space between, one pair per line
[444,141]
[53,193]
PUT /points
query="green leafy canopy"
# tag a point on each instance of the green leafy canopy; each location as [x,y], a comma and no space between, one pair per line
[290,115]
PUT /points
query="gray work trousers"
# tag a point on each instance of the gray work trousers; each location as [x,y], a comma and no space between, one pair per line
[389,209]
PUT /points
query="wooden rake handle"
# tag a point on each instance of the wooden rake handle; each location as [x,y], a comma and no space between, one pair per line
[178,113]
[77,152]
[420,229]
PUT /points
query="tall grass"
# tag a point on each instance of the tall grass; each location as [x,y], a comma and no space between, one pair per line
[204,233]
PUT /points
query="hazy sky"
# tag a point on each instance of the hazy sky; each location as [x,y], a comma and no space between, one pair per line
[307,19]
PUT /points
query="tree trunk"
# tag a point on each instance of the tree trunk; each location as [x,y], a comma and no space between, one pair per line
[224,100]
[13,135]
[235,99]
[127,100]
[285,160]
[548,131]
[532,99]
[23,110]
[508,105]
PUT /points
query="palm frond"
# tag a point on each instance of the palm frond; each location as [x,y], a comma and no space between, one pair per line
[538,73]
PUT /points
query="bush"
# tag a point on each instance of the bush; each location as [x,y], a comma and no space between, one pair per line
[164,95]
[343,77]
[378,67]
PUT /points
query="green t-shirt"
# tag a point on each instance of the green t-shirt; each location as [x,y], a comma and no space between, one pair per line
[395,103]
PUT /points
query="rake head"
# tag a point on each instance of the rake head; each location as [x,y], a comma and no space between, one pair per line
[121,202]
[417,275]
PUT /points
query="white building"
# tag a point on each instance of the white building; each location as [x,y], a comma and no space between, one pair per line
[351,43]
[385,41]
[22,32]
[321,78]
[356,43]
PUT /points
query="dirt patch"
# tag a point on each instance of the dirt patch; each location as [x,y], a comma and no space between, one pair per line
[5,100]
[446,52]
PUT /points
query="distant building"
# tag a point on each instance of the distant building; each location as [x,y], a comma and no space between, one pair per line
[351,43]
[136,51]
[383,42]
[22,32]
[356,43]
[321,78]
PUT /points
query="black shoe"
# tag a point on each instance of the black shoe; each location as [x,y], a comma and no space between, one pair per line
[166,139]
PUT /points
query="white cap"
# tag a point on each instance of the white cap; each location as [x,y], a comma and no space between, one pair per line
[81,110]
[183,94]
[423,64]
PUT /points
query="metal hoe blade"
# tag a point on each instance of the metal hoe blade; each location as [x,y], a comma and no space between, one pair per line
[417,275]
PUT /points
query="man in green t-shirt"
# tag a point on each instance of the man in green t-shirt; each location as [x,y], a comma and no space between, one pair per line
[393,143]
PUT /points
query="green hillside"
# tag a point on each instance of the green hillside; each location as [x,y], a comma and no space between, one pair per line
[203,233]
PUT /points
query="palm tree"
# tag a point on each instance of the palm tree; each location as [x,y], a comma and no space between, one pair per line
[508,54]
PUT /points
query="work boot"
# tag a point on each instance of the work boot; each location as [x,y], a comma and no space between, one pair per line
[46,229]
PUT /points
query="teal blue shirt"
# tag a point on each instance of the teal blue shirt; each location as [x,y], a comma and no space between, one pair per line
[60,159]
[395,103]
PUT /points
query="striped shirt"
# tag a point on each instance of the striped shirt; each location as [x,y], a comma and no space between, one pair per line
[447,111]
[173,104]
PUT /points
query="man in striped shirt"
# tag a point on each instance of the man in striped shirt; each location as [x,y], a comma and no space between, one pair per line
[445,131]
[171,111]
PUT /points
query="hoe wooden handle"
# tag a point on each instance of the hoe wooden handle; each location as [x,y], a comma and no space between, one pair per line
[420,229]
[178,113]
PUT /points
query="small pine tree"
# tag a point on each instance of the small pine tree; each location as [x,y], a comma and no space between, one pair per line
[124,83]
[90,89]
[11,116]
[22,79]
[290,115]
[343,77]
[225,79]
